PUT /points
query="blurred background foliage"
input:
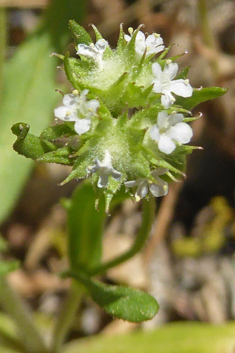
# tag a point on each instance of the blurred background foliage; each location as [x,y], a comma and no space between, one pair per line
[188,264]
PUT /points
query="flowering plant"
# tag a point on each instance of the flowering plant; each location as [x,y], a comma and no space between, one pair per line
[125,124]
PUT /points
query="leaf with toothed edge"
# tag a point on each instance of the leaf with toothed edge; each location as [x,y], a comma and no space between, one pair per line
[200,95]
[62,155]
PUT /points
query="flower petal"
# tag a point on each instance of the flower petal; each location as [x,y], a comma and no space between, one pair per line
[107,161]
[159,48]
[153,44]
[93,105]
[162,118]
[140,45]
[167,99]
[181,132]
[87,50]
[171,70]
[127,37]
[70,100]
[175,118]
[82,125]
[154,133]
[157,87]
[101,45]
[159,189]
[166,145]
[142,190]
[115,174]
[103,180]
[61,112]
[92,168]
[154,39]
[131,183]
[140,36]
[181,88]
[159,171]
[157,70]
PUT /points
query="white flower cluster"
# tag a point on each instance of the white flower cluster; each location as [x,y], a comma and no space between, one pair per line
[151,45]
[164,83]
[157,188]
[93,51]
[77,109]
[169,129]
[104,169]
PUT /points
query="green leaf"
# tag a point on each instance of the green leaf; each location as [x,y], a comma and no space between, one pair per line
[130,48]
[85,228]
[183,74]
[61,156]
[121,41]
[75,71]
[122,302]
[201,95]
[79,34]
[29,93]
[137,96]
[98,35]
[29,145]
[177,337]
[27,97]
[69,70]
[79,170]
[54,132]
[113,187]
[40,149]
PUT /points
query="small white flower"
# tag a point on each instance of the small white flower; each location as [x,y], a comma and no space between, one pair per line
[105,169]
[157,188]
[164,83]
[77,109]
[170,128]
[94,51]
[153,44]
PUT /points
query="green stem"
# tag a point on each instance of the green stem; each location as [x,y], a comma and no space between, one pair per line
[12,305]
[66,316]
[148,218]
[71,305]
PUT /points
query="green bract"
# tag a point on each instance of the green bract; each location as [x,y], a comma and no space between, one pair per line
[125,121]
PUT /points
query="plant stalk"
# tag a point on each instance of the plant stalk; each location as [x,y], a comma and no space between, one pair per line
[66,316]
[14,307]
[148,218]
